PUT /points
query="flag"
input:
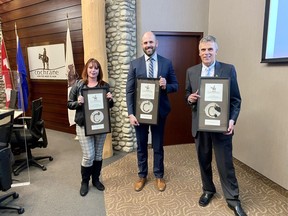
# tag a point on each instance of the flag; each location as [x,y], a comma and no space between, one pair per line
[71,72]
[6,71]
[21,68]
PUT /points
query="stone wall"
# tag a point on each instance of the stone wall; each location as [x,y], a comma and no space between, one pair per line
[121,49]
[2,92]
[2,85]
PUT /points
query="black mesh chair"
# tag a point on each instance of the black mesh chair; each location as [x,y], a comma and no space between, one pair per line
[35,136]
[6,160]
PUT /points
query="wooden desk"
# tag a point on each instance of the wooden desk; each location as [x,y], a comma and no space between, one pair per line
[17,113]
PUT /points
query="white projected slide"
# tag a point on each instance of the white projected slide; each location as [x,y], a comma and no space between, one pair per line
[275,37]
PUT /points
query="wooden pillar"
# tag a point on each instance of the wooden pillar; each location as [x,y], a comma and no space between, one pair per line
[94,41]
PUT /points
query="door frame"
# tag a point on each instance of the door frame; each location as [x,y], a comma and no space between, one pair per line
[185,128]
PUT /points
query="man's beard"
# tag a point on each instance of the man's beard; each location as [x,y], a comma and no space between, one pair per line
[149,53]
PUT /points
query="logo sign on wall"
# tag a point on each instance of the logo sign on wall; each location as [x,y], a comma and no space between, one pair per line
[47,62]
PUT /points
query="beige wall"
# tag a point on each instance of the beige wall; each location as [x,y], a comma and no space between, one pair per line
[261,138]
[171,15]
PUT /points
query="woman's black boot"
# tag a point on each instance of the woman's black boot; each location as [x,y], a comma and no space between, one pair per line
[85,172]
[96,170]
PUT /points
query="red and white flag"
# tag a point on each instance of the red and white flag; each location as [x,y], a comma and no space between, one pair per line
[71,72]
[6,72]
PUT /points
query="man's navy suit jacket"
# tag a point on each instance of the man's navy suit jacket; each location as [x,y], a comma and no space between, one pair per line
[193,75]
[138,70]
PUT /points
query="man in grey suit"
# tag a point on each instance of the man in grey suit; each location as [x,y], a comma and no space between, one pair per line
[140,68]
[220,142]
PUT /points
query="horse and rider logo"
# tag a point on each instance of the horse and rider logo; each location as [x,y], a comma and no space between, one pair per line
[48,62]
[44,58]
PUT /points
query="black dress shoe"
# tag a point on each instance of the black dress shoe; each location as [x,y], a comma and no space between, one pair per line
[238,210]
[205,199]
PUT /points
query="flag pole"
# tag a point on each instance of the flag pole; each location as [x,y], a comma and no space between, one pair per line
[16,31]
[19,78]
[71,72]
[20,92]
[67,20]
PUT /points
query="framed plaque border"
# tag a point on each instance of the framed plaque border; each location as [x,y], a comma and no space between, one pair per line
[152,116]
[104,126]
[217,121]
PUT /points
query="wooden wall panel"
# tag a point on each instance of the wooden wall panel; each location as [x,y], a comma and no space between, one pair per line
[43,22]
[14,5]
[45,29]
[24,8]
[43,18]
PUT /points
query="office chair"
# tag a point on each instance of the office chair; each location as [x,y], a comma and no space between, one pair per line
[35,135]
[6,160]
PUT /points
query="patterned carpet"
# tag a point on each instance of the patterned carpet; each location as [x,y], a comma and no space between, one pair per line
[259,195]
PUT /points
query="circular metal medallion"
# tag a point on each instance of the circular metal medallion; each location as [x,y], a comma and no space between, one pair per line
[96,116]
[213,110]
[146,106]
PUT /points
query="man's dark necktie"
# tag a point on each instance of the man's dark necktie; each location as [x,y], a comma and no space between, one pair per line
[151,71]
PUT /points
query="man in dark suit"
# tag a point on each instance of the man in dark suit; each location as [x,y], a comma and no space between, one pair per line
[161,68]
[220,142]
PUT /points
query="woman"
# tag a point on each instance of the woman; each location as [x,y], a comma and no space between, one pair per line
[92,146]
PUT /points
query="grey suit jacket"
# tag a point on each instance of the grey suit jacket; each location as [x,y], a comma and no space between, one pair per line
[193,75]
[138,70]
